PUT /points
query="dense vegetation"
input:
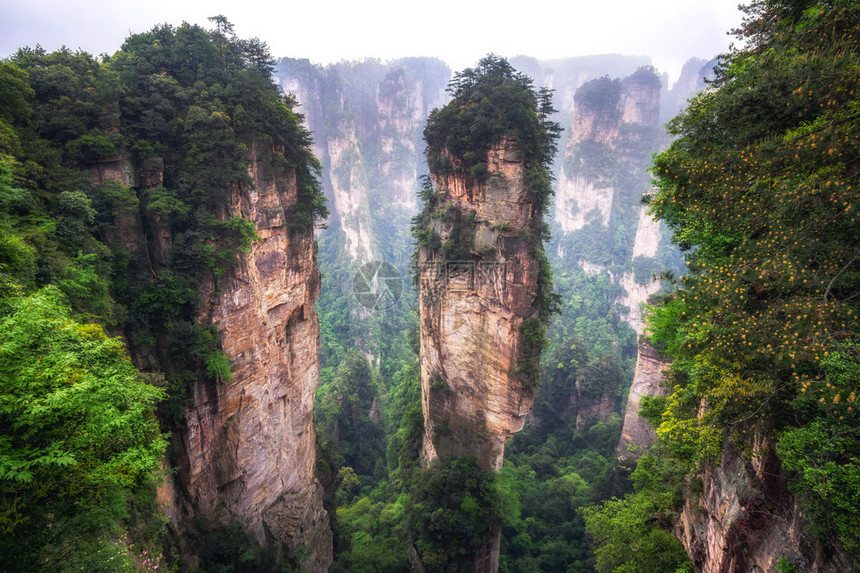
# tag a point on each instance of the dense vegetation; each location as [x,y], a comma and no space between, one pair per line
[183,107]
[760,187]
[553,467]
[489,102]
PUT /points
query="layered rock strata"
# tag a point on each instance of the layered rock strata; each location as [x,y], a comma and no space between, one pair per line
[647,380]
[248,450]
[472,310]
[250,443]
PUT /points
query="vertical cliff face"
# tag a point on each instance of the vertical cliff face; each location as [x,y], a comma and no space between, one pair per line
[613,131]
[610,118]
[746,519]
[472,310]
[367,118]
[646,382]
[250,445]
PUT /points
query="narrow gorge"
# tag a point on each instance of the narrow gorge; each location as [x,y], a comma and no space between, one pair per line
[271,315]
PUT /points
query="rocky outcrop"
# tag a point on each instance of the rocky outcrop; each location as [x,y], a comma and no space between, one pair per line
[581,199]
[609,118]
[647,380]
[745,519]
[472,310]
[566,75]
[613,131]
[693,79]
[647,235]
[349,191]
[635,294]
[250,445]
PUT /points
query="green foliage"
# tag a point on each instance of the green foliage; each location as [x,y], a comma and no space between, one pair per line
[825,449]
[79,435]
[489,102]
[594,160]
[632,534]
[186,106]
[600,96]
[553,471]
[625,541]
[786,566]
[602,375]
[760,187]
[645,269]
[227,548]
[451,510]
[90,148]
[534,336]
[377,535]
[344,413]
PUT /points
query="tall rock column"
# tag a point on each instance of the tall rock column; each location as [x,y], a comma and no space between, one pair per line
[647,380]
[484,290]
[250,444]
[473,305]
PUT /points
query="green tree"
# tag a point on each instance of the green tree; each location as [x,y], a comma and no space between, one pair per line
[79,436]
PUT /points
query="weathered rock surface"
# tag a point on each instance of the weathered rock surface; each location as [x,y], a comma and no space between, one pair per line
[647,235]
[646,382]
[250,445]
[634,295]
[471,313]
[606,154]
[368,119]
[583,191]
[745,519]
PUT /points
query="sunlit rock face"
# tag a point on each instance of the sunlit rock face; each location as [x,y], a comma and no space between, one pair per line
[471,314]
[250,445]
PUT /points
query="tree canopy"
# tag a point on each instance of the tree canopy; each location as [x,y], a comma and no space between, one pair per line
[488,102]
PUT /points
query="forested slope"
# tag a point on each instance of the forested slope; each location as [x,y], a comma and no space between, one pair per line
[119,179]
[760,188]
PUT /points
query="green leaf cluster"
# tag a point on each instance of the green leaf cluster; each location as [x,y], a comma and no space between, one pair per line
[452,508]
[79,433]
[489,102]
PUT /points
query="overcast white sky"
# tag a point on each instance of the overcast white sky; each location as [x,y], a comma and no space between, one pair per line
[457,31]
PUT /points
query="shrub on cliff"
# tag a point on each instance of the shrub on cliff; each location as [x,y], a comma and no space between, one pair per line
[761,187]
[489,102]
